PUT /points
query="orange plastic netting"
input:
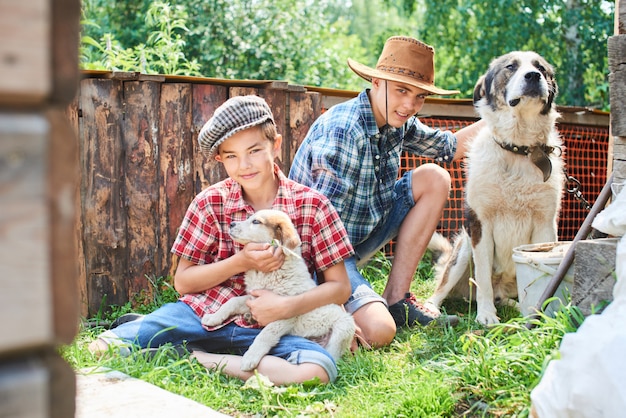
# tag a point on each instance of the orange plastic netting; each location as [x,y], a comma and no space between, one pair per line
[586,154]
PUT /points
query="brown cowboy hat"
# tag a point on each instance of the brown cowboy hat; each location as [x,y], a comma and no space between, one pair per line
[405,60]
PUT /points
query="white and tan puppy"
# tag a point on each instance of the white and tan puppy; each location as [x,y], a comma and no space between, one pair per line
[514,183]
[330,322]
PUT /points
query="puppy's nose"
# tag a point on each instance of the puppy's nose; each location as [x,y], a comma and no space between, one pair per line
[232,224]
[532,76]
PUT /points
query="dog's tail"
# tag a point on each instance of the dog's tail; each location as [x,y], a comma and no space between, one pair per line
[440,247]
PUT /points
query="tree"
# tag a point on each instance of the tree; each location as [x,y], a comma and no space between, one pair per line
[570,34]
[162,53]
[308,41]
[297,41]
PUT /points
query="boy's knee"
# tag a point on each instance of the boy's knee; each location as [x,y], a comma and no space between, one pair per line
[376,323]
[381,335]
[433,175]
[431,179]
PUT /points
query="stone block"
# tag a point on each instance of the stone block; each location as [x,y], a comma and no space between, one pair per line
[594,274]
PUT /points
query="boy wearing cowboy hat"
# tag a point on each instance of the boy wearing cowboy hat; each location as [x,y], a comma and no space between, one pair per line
[352,155]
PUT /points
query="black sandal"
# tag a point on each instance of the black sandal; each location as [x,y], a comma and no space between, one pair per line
[129,317]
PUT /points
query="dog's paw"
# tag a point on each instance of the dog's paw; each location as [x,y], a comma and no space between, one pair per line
[249,362]
[210,320]
[487,318]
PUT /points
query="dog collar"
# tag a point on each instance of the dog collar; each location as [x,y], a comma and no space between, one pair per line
[538,154]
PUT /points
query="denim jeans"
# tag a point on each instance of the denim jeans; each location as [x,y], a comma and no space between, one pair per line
[362,292]
[177,323]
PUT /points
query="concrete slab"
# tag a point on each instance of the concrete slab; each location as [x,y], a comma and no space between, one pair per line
[112,394]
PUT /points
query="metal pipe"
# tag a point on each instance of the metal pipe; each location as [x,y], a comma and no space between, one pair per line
[568,259]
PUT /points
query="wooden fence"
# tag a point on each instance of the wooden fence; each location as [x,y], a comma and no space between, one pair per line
[140,167]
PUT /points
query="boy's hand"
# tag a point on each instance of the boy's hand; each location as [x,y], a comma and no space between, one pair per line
[263,257]
[266,306]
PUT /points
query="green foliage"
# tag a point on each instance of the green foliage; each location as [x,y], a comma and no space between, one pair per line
[161,54]
[160,292]
[308,42]
[571,35]
[287,40]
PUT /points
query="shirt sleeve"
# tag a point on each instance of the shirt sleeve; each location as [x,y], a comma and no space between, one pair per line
[331,170]
[423,140]
[197,236]
[330,242]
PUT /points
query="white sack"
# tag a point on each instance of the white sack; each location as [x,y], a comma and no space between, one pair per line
[589,380]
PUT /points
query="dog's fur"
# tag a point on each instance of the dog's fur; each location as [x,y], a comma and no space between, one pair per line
[509,200]
[330,322]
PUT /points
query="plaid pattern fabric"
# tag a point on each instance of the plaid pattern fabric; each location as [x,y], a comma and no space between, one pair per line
[353,163]
[204,234]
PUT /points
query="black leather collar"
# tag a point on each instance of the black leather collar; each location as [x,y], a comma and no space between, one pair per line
[523,149]
[538,154]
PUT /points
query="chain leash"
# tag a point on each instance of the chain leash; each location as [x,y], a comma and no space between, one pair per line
[572,185]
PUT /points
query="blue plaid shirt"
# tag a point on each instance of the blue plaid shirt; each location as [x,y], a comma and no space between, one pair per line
[353,163]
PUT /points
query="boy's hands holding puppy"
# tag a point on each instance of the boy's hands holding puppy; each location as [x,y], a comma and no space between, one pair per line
[196,278]
[263,257]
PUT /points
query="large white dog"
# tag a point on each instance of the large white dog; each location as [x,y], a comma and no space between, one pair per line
[330,322]
[514,183]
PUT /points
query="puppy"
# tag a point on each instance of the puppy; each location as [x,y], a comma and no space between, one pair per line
[331,321]
[514,183]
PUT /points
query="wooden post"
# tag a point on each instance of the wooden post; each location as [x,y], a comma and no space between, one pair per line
[38,186]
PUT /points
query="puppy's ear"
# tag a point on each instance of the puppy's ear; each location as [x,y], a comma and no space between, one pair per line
[286,233]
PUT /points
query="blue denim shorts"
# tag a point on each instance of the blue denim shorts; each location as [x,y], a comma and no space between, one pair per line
[177,323]
[362,292]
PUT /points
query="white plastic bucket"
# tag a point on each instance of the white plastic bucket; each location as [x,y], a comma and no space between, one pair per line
[535,265]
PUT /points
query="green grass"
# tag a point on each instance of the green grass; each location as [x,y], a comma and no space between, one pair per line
[426,372]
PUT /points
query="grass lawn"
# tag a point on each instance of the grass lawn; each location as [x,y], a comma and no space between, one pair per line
[429,371]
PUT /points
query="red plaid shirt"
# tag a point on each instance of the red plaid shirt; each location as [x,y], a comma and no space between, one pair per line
[203,236]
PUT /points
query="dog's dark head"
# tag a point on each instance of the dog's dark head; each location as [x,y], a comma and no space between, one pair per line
[266,226]
[519,78]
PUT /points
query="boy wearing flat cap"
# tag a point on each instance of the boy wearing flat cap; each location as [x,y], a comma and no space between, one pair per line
[242,136]
[352,155]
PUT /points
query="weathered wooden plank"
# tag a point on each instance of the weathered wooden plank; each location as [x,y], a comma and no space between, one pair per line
[277,101]
[25,294]
[38,384]
[141,100]
[620,17]
[24,389]
[243,91]
[304,109]
[102,186]
[176,162]
[75,121]
[63,175]
[64,45]
[62,396]
[25,51]
[206,98]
